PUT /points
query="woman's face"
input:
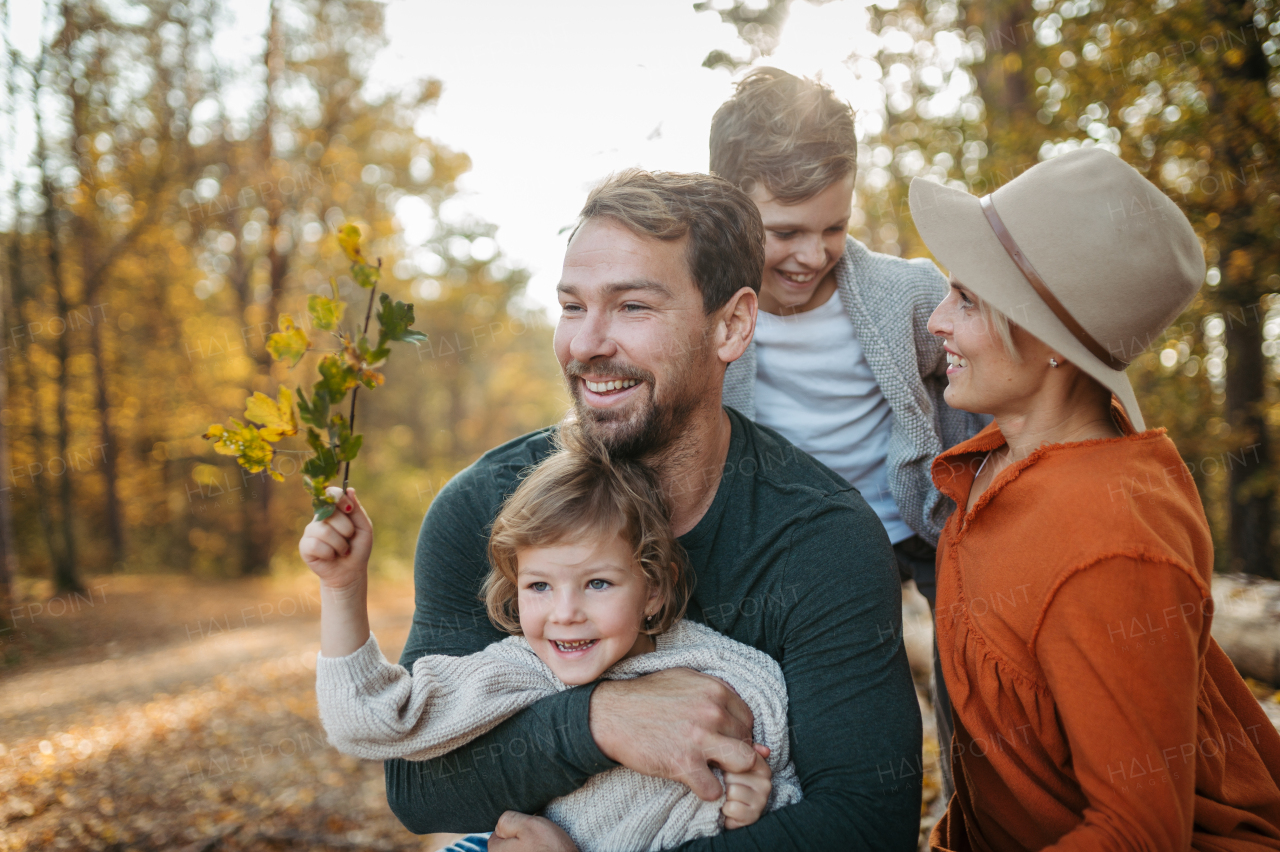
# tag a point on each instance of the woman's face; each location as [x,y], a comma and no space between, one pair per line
[982,375]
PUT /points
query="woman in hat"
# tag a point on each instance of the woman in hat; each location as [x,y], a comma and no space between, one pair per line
[1093,710]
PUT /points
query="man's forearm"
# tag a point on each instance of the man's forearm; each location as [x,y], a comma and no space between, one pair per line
[535,756]
[840,821]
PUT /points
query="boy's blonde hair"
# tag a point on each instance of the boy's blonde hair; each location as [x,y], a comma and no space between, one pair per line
[791,134]
[580,491]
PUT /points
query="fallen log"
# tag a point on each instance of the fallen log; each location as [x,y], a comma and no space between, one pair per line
[1246,623]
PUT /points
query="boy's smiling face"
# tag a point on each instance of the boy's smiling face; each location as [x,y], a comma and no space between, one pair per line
[583,605]
[803,243]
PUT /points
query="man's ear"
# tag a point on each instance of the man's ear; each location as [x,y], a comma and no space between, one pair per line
[736,325]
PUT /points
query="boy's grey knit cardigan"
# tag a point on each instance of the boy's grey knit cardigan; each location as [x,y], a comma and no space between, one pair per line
[375,710]
[889,300]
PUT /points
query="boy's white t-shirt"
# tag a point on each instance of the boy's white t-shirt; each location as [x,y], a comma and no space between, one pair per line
[815,387]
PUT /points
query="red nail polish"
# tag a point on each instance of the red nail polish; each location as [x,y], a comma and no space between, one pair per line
[346,508]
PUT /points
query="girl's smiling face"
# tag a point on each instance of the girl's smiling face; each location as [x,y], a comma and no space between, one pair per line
[583,605]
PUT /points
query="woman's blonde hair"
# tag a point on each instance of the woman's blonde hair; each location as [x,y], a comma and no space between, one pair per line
[999,323]
[581,491]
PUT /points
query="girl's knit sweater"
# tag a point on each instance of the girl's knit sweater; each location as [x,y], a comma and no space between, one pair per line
[378,711]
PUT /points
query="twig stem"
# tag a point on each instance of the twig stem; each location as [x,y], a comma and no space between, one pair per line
[351,419]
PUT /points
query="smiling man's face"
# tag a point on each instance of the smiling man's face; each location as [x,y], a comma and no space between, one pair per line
[633,339]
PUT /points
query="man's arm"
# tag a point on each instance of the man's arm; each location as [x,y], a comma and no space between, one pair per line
[540,753]
[854,716]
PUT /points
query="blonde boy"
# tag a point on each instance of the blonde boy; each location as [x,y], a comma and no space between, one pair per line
[842,363]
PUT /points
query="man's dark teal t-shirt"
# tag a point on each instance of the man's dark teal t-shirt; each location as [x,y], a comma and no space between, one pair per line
[789,559]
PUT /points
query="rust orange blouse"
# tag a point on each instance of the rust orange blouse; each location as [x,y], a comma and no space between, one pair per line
[1093,710]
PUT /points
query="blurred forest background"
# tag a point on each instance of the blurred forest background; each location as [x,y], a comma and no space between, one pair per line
[152,235]
[1187,92]
[157,240]
[153,240]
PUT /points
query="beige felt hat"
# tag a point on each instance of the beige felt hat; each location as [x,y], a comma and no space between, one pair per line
[1081,251]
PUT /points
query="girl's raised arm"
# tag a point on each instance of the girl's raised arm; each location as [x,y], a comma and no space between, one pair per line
[337,549]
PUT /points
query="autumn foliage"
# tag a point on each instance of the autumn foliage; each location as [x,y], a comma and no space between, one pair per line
[354,364]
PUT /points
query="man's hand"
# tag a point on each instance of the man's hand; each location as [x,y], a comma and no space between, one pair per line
[673,724]
[517,832]
[747,793]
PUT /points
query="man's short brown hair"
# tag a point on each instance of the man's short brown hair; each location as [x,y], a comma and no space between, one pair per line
[726,235]
[790,134]
[580,491]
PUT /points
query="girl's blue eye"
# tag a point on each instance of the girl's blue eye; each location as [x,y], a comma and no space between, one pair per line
[597,585]
[539,586]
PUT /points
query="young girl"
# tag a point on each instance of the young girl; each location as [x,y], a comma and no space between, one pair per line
[587,576]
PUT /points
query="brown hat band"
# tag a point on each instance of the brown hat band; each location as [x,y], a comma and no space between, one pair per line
[1037,284]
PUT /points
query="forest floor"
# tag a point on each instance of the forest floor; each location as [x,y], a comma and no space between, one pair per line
[163,713]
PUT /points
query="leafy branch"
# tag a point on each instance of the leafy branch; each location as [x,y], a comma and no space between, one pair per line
[351,365]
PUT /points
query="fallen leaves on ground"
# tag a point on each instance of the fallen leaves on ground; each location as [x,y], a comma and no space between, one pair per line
[231,758]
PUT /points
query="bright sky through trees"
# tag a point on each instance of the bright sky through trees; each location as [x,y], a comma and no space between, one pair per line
[547,100]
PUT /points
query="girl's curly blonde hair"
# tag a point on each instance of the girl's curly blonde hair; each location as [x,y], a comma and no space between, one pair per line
[577,492]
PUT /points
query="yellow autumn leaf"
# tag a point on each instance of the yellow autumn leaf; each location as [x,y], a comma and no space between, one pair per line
[275,417]
[243,441]
[349,240]
[289,343]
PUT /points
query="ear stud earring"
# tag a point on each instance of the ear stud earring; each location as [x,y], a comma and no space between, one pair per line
[1053,362]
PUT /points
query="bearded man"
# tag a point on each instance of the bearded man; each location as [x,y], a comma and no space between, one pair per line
[658,296]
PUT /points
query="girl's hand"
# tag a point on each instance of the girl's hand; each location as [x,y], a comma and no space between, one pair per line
[337,549]
[747,793]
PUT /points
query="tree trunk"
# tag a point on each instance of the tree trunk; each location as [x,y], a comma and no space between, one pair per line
[64,567]
[93,263]
[259,544]
[8,301]
[1001,81]
[8,547]
[65,577]
[114,515]
[1251,492]
[24,345]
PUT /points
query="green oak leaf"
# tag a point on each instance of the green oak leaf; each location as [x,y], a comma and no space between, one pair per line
[365,275]
[336,378]
[325,313]
[394,321]
[314,412]
[372,357]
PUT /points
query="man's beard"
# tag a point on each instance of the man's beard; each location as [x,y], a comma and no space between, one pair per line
[648,427]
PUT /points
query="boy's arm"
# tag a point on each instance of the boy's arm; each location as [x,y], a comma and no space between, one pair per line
[542,752]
